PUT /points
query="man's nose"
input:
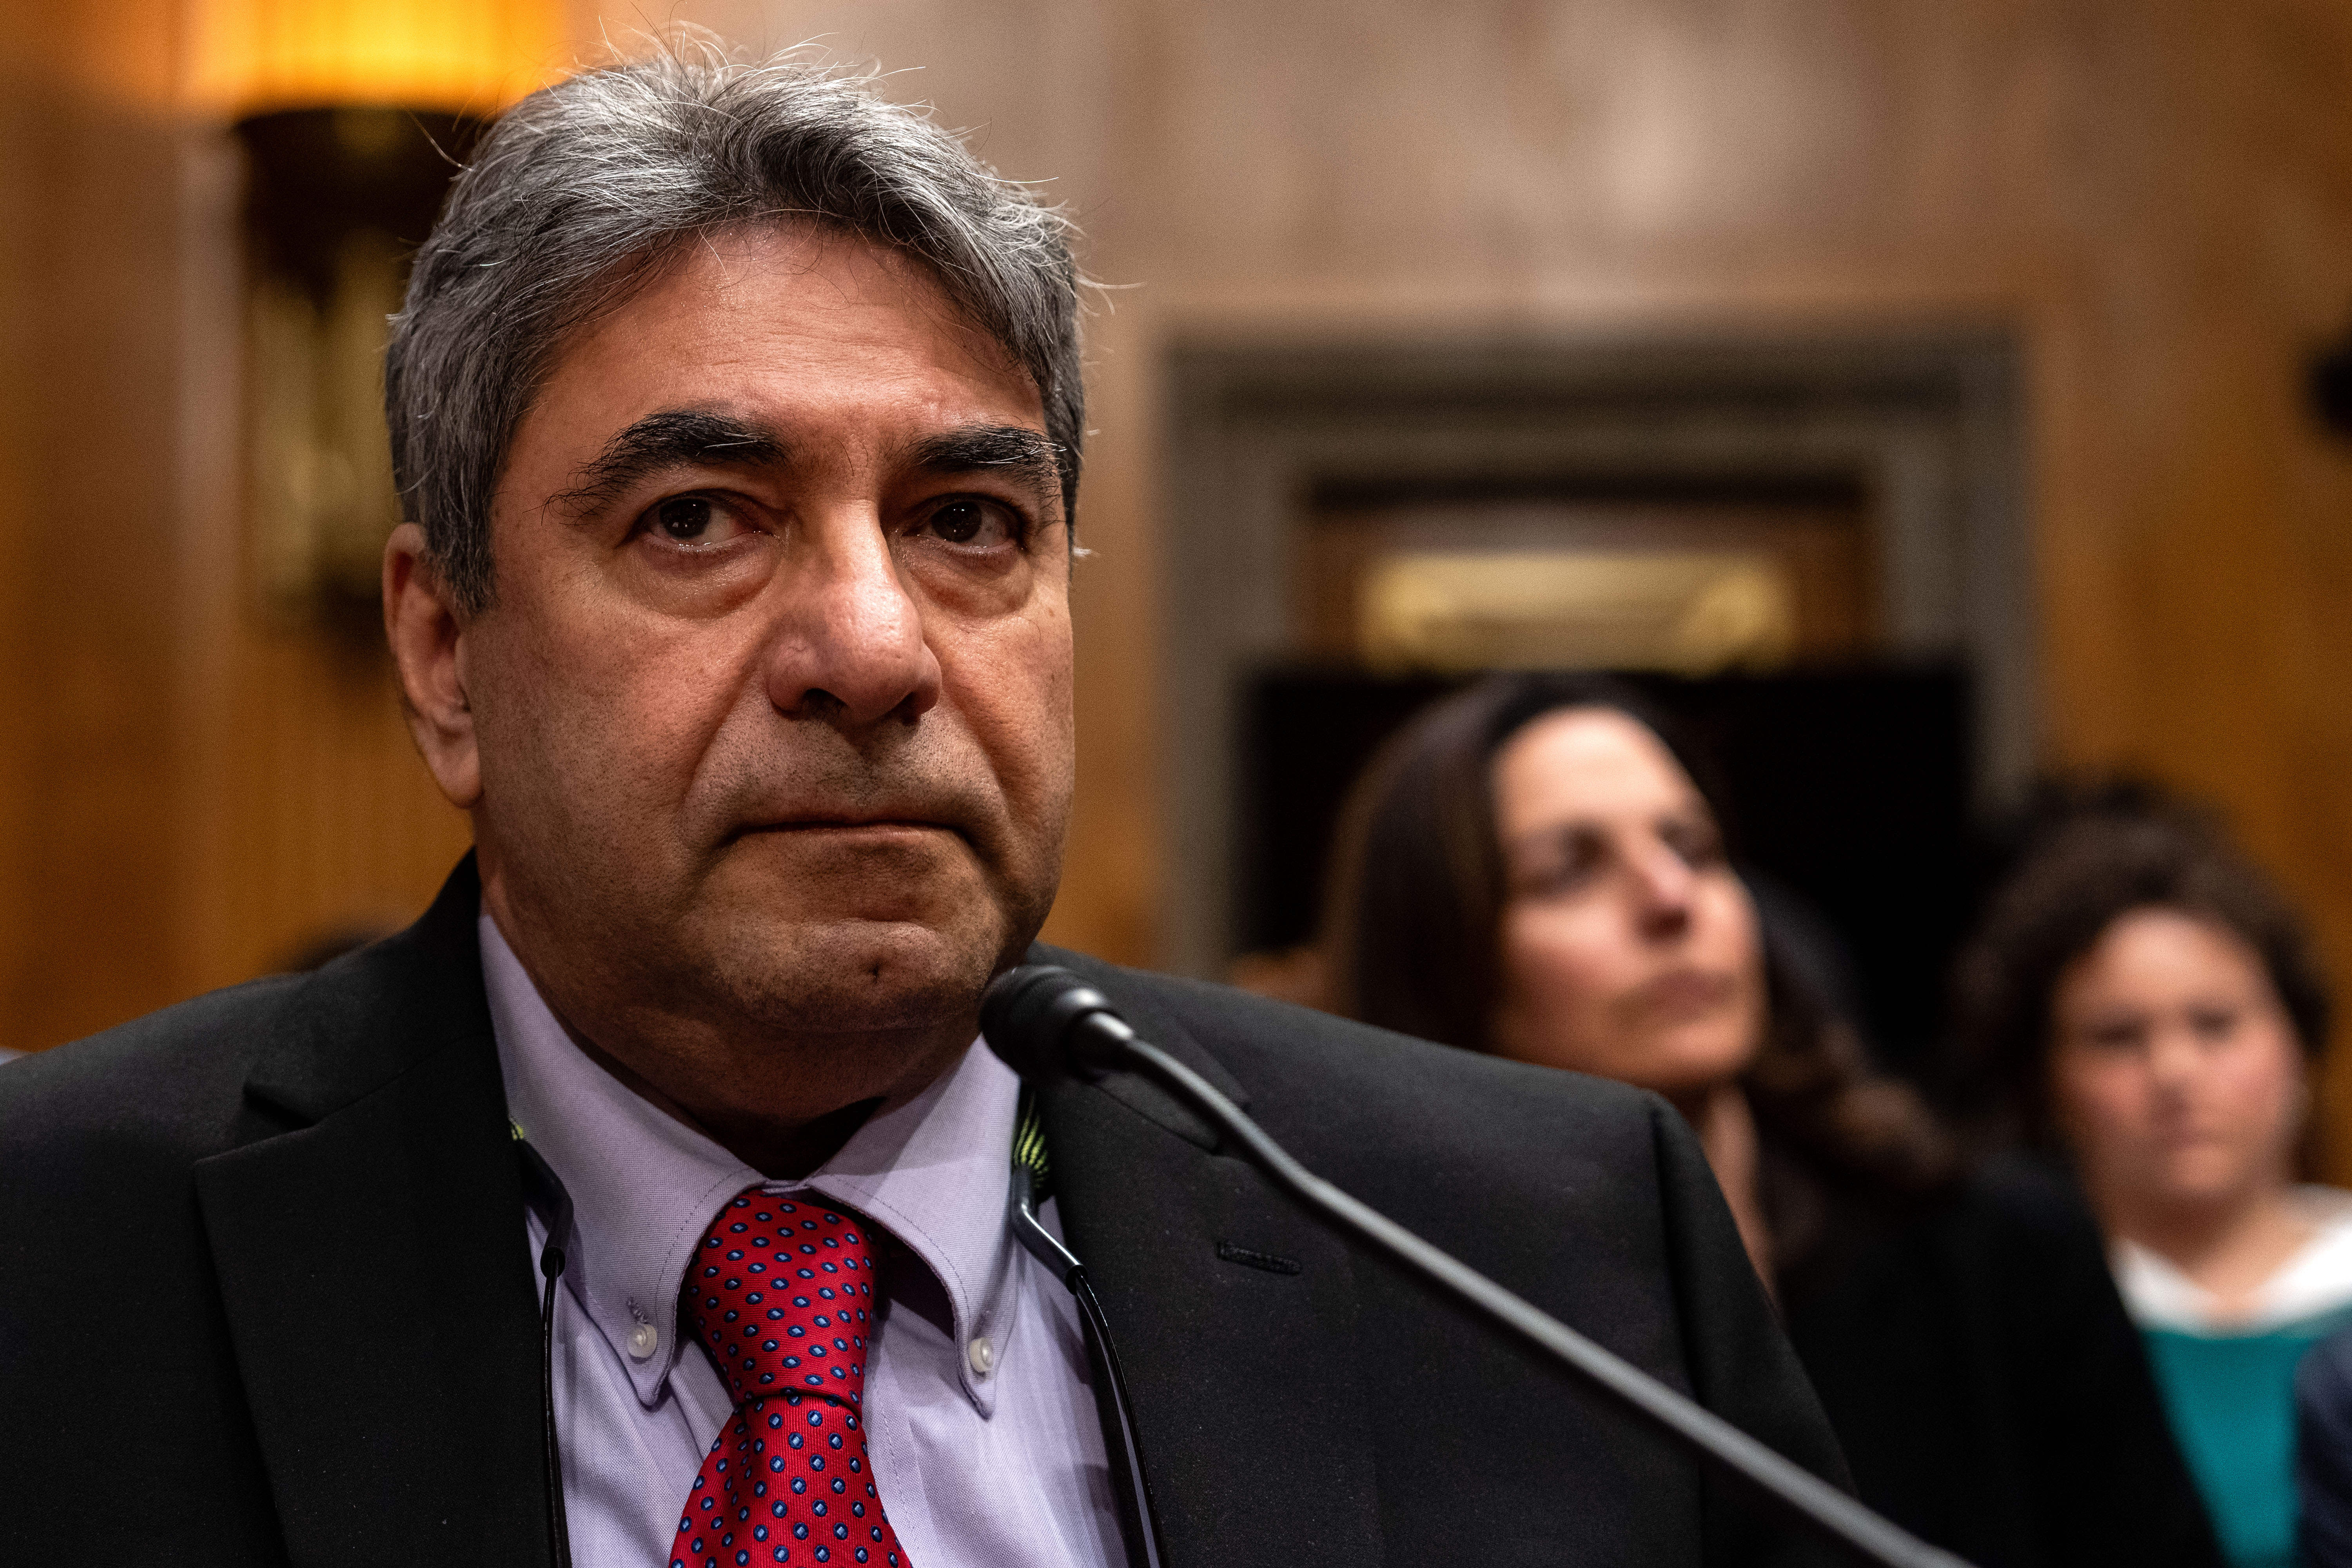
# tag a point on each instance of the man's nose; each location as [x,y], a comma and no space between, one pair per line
[849,647]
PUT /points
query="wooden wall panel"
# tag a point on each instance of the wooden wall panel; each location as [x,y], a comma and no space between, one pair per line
[184,798]
[321,820]
[87,521]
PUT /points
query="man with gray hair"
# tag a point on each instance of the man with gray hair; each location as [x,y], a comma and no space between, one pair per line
[647,1201]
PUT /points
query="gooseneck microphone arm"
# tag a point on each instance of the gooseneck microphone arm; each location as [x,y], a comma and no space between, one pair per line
[1045,1021]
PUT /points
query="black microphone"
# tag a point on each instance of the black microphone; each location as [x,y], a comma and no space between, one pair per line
[1044,1020]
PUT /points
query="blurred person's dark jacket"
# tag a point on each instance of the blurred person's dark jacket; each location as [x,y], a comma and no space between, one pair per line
[2323,1453]
[1959,1319]
[1988,1390]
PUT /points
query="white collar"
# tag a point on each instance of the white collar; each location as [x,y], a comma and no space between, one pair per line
[930,1169]
[2316,1279]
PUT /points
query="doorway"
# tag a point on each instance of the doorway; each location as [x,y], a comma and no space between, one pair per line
[1801,536]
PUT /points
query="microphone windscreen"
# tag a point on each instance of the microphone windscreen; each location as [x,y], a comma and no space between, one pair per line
[1030,1017]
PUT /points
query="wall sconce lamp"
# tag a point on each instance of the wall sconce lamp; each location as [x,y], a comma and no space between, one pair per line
[353,115]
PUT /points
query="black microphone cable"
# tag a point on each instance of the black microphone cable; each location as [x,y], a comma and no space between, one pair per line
[543,1190]
[1045,1021]
[1032,1177]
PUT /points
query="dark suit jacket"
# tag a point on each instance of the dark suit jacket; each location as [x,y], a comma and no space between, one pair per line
[1990,1305]
[2323,1453]
[264,1295]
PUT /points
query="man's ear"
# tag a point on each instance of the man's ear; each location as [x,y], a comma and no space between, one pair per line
[428,637]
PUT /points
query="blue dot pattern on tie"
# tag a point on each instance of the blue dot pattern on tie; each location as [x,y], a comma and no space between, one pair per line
[781,1294]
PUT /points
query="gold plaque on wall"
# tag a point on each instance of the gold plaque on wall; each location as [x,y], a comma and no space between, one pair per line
[1693,612]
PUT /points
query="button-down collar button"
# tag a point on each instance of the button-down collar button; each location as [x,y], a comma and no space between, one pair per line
[644,1339]
[983,1356]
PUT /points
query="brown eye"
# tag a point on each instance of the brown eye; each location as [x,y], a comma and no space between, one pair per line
[2213,1023]
[684,518]
[697,523]
[1560,864]
[1695,842]
[2116,1034]
[974,523]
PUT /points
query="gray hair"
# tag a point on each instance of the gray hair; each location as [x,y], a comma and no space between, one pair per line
[581,192]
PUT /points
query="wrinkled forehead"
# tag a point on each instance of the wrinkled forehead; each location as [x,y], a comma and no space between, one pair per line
[788,348]
[718,273]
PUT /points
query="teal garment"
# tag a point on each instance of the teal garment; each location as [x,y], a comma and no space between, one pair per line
[2231,1401]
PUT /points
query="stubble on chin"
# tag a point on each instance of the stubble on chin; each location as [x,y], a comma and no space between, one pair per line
[849,977]
[849,944]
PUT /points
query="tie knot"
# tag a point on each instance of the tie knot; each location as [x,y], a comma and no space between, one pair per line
[781,1292]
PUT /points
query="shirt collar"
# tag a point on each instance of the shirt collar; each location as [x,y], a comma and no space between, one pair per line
[931,1169]
[2315,1282]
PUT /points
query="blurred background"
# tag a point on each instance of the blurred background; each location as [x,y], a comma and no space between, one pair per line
[1928,398]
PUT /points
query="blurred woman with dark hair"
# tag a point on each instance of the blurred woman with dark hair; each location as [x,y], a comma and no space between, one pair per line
[2141,1000]
[1532,869]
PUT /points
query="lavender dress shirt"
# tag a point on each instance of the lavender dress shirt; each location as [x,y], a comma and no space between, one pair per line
[984,1433]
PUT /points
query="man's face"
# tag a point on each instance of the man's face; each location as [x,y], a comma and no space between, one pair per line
[771,709]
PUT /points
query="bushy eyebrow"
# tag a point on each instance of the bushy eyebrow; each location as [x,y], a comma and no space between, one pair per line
[672,438]
[1032,459]
[682,437]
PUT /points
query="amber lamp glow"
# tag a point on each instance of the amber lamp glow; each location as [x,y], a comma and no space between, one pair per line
[460,56]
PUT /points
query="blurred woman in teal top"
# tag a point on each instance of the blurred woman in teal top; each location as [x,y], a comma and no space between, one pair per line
[2147,1005]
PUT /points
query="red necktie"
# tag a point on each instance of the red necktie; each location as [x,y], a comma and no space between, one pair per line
[781,1294]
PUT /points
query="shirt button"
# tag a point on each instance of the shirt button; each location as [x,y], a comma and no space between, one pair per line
[983,1356]
[644,1339]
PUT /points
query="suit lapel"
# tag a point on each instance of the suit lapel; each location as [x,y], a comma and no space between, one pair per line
[1234,1318]
[373,1264]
